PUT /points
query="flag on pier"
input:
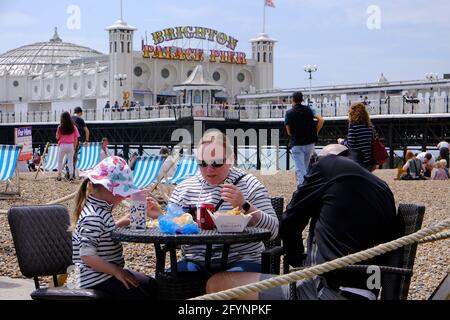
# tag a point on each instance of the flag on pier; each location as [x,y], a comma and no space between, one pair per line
[269,3]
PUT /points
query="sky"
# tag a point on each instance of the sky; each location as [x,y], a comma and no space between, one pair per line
[351,41]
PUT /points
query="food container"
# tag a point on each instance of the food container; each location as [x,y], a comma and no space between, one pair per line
[230,223]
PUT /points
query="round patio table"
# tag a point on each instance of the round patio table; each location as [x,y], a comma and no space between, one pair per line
[167,243]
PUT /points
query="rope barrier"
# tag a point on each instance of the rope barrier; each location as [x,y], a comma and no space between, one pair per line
[436,237]
[328,266]
[66,198]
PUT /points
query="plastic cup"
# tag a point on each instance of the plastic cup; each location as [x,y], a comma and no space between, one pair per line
[138,211]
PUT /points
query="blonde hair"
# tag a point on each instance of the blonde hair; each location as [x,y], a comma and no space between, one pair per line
[79,204]
[358,114]
[409,155]
[218,138]
[443,163]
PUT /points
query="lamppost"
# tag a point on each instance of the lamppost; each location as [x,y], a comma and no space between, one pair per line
[310,69]
[431,76]
[120,77]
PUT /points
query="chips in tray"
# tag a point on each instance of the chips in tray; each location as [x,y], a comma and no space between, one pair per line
[183,219]
[234,212]
[152,223]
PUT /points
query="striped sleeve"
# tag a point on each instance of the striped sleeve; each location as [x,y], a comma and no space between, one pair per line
[258,196]
[90,231]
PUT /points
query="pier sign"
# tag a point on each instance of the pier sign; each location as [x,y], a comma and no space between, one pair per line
[24,137]
[174,52]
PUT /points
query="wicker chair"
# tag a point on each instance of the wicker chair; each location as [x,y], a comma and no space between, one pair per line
[44,248]
[396,277]
[270,258]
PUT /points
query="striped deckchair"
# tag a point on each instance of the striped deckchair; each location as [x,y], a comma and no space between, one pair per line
[146,170]
[8,167]
[186,168]
[49,159]
[89,156]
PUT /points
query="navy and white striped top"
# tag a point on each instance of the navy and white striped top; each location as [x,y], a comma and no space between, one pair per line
[92,236]
[360,137]
[196,191]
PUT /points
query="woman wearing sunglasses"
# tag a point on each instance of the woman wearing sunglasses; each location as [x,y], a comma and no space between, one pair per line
[214,183]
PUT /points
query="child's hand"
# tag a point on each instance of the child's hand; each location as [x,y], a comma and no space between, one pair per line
[153,208]
[123,222]
[126,278]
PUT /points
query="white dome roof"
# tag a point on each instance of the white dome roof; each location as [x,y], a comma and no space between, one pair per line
[42,56]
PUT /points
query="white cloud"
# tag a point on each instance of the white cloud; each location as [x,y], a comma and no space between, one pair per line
[16,19]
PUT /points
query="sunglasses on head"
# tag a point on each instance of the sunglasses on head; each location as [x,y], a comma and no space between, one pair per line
[214,163]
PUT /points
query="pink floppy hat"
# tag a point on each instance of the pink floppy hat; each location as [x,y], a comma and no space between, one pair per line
[114,174]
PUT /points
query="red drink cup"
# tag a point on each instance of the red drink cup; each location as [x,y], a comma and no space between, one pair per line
[204,220]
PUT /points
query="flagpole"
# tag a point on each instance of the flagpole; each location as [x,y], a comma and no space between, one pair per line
[264,18]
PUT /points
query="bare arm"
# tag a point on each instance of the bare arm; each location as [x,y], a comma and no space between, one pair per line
[288,129]
[86,132]
[320,123]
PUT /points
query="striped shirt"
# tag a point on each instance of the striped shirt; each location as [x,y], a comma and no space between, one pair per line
[196,191]
[360,137]
[92,237]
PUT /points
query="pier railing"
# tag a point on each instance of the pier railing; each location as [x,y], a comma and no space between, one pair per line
[393,105]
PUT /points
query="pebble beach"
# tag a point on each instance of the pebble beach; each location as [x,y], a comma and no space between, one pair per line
[432,260]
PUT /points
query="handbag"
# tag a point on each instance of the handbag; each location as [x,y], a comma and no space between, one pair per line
[379,153]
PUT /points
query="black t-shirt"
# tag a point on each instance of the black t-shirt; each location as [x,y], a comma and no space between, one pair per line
[349,210]
[79,122]
[303,127]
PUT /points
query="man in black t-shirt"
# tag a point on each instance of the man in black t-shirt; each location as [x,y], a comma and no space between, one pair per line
[302,128]
[84,134]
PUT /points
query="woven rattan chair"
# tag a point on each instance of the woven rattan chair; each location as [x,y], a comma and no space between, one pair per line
[270,258]
[44,248]
[396,275]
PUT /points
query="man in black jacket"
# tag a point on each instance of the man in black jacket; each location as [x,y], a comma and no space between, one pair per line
[349,210]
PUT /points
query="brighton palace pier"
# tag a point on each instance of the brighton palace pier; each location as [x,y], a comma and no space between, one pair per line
[189,73]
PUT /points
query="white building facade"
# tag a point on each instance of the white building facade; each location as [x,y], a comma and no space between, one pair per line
[56,76]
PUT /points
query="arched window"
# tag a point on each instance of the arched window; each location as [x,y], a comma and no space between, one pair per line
[265,57]
[259,57]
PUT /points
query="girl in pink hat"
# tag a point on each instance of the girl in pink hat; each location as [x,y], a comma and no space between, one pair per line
[98,258]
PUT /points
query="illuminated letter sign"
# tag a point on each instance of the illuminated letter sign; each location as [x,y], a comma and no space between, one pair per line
[189,54]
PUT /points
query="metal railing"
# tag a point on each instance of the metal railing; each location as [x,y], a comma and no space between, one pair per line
[393,105]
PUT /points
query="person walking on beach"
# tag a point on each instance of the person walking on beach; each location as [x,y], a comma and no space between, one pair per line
[67,136]
[84,135]
[97,257]
[444,147]
[303,131]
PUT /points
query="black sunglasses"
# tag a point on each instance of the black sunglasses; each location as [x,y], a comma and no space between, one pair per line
[214,163]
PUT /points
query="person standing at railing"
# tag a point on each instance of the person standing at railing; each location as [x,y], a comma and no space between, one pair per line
[303,131]
[77,118]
